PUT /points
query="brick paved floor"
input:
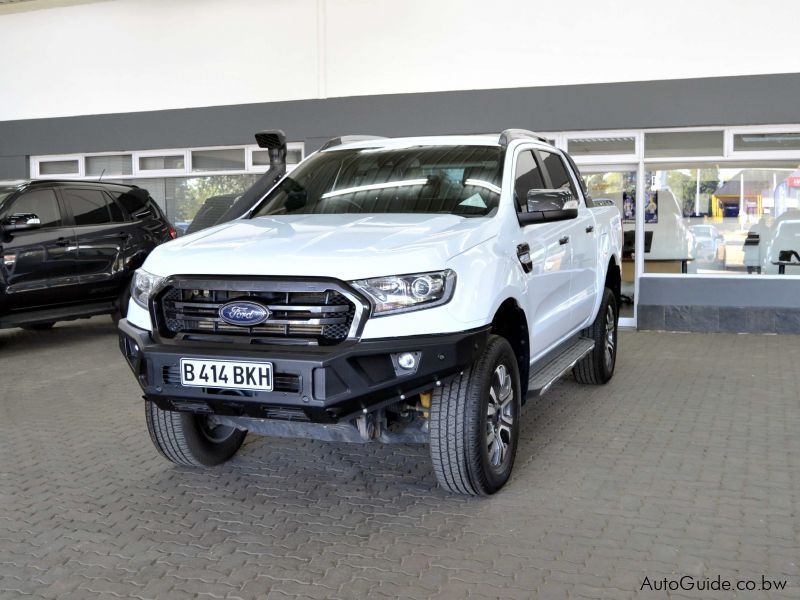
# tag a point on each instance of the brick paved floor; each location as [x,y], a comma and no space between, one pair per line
[688,463]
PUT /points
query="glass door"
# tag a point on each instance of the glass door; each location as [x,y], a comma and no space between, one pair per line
[618,183]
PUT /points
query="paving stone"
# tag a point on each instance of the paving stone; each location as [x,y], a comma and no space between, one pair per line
[687,463]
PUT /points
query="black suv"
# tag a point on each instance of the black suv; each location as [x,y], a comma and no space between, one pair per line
[69,249]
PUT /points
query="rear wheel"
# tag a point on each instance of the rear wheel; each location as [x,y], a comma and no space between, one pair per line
[597,367]
[39,326]
[191,440]
[474,423]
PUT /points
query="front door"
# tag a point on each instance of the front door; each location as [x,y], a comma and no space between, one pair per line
[104,238]
[548,304]
[584,284]
[38,264]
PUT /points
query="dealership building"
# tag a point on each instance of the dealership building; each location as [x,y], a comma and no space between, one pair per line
[688,121]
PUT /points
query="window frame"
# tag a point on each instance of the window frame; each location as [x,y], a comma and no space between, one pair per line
[36,163]
[105,175]
[137,173]
[562,143]
[731,132]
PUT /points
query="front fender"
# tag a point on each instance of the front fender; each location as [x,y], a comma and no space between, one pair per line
[486,277]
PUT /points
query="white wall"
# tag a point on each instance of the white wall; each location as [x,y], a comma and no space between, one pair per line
[133,55]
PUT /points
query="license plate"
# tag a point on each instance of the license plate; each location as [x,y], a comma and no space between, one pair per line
[229,374]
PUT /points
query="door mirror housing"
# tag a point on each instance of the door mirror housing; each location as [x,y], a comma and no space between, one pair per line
[21,222]
[546,206]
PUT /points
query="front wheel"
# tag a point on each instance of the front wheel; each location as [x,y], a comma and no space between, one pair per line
[474,423]
[191,440]
[597,367]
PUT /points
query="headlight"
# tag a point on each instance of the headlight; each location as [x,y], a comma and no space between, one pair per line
[404,293]
[143,285]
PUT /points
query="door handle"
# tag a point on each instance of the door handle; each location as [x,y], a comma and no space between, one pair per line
[564,240]
[590,229]
[62,242]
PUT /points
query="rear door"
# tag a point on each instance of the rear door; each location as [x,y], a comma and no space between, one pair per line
[548,296]
[104,237]
[39,264]
[582,241]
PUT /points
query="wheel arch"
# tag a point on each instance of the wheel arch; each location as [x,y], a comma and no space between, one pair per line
[510,322]
[614,280]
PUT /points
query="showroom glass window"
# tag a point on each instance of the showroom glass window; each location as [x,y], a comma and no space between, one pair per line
[460,180]
[91,207]
[727,218]
[41,203]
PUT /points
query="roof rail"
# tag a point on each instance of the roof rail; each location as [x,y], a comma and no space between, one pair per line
[349,139]
[509,135]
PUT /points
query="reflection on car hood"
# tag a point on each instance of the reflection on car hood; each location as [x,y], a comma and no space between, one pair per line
[346,246]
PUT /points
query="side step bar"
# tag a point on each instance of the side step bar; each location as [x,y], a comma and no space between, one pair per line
[550,372]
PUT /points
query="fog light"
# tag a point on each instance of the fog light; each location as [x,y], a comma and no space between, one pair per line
[407,361]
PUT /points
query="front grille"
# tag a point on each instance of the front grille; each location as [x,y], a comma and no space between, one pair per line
[322,315]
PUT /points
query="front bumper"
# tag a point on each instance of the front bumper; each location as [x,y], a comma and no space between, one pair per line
[321,384]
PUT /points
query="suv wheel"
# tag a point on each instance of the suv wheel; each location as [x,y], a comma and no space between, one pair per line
[597,367]
[190,440]
[474,423]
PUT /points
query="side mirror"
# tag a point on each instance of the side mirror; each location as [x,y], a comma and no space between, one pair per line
[21,222]
[546,206]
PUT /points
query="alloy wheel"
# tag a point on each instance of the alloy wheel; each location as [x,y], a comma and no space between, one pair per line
[499,416]
[611,337]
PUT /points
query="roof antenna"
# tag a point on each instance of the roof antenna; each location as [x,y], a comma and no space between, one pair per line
[101,175]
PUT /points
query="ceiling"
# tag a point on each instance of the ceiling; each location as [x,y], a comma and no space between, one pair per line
[13,6]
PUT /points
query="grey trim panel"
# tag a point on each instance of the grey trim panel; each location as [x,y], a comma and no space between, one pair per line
[745,100]
[719,319]
[753,291]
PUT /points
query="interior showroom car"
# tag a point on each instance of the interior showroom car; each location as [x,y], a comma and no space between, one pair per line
[338,299]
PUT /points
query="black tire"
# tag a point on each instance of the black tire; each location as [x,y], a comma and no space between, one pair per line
[121,308]
[461,426]
[597,367]
[39,326]
[184,439]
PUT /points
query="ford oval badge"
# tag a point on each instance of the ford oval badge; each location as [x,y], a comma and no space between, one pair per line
[243,313]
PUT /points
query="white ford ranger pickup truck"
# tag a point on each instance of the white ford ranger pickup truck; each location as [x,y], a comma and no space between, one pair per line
[413,290]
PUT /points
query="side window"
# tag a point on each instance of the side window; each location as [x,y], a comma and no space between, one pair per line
[117,216]
[89,207]
[527,176]
[42,203]
[559,176]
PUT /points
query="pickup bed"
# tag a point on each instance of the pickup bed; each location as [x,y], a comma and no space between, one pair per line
[413,290]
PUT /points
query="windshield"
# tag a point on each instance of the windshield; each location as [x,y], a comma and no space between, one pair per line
[459,180]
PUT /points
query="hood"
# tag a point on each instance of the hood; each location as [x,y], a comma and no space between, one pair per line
[345,246]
